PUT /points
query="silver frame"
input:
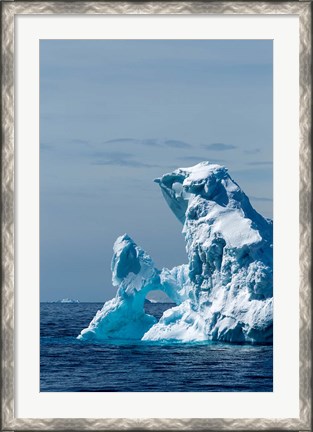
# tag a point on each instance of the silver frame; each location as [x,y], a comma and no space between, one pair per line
[8,10]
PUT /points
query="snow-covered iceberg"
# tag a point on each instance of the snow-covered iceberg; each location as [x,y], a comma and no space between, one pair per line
[225,293]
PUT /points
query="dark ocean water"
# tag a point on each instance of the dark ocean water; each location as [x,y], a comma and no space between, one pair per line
[70,365]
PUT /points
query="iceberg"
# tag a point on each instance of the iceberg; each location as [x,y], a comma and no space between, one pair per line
[158,297]
[67,300]
[224,293]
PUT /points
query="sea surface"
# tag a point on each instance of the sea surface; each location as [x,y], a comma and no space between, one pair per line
[70,365]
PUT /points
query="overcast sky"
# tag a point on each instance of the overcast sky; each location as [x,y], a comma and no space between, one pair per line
[114,115]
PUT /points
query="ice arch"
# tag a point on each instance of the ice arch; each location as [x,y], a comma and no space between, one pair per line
[135,275]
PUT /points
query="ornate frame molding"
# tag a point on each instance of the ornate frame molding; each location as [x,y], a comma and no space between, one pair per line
[8,10]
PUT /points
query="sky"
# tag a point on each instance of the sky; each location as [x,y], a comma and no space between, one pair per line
[116,114]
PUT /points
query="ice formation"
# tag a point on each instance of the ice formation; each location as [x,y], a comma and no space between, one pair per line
[67,300]
[158,297]
[225,293]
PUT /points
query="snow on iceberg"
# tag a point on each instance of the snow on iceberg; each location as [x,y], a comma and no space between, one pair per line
[225,293]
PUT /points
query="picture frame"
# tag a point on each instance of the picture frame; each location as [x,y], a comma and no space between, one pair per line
[9,10]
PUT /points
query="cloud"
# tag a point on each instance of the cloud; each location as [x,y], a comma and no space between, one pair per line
[252,151]
[150,142]
[219,147]
[260,163]
[176,144]
[119,159]
[120,140]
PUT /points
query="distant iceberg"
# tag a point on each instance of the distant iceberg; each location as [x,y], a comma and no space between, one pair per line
[67,300]
[158,297]
[224,293]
